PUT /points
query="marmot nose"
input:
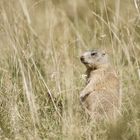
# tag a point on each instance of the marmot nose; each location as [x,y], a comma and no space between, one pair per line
[82,58]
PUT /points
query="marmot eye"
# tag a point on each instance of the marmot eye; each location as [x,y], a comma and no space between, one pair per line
[93,53]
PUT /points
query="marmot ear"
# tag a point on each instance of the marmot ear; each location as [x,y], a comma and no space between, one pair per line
[103,54]
[107,51]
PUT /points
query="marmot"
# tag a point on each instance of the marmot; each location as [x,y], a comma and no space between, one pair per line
[101,96]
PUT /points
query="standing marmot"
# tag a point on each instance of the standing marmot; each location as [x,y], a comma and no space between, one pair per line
[101,95]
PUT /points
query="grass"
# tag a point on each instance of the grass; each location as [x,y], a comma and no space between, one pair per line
[41,75]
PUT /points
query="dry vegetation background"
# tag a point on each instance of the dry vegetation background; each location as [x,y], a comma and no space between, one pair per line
[40,71]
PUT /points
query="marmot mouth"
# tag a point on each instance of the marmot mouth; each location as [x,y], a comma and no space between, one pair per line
[84,62]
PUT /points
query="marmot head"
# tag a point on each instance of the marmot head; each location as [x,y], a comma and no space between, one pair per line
[94,59]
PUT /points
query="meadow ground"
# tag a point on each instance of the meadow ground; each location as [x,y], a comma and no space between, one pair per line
[41,75]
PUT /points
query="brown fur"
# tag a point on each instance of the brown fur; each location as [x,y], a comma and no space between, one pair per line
[101,96]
